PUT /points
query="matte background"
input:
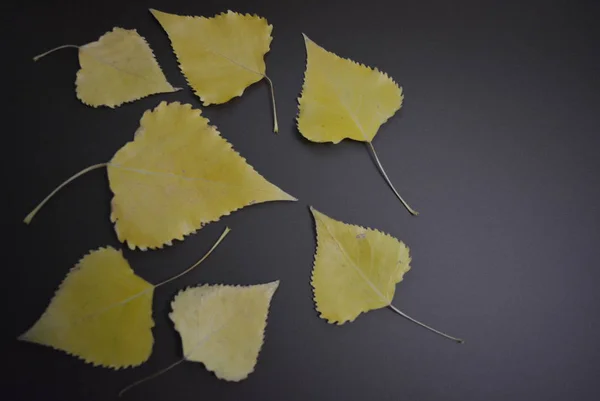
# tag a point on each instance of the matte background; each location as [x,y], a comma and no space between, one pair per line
[496,145]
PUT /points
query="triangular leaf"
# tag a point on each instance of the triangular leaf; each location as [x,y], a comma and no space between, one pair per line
[219,56]
[356,270]
[177,175]
[117,68]
[101,313]
[223,326]
[343,99]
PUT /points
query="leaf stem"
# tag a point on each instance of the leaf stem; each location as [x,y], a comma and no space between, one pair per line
[39,56]
[385,176]
[275,125]
[32,214]
[189,269]
[392,307]
[152,376]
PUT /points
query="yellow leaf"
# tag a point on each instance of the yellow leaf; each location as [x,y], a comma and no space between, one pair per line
[343,99]
[117,68]
[177,175]
[223,326]
[219,56]
[356,270]
[101,313]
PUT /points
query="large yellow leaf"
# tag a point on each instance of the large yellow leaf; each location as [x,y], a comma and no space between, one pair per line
[177,175]
[356,270]
[223,326]
[343,99]
[101,313]
[219,56]
[117,68]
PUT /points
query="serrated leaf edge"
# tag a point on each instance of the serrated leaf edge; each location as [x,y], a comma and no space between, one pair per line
[204,101]
[262,341]
[306,38]
[60,286]
[133,246]
[312,276]
[113,106]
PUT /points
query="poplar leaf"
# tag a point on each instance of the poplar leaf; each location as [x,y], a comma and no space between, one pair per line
[356,270]
[220,56]
[177,175]
[102,311]
[342,99]
[117,68]
[221,326]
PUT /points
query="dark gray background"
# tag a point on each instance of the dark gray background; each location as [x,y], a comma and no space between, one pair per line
[496,145]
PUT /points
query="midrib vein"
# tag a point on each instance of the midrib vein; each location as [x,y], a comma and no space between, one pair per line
[234,62]
[356,268]
[345,106]
[173,175]
[120,69]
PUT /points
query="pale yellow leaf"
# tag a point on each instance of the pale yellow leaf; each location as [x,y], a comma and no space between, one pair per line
[117,68]
[356,269]
[223,326]
[343,99]
[219,56]
[101,313]
[177,175]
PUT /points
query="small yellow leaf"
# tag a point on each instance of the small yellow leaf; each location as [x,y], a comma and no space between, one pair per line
[343,99]
[356,269]
[177,175]
[119,67]
[101,313]
[223,326]
[219,56]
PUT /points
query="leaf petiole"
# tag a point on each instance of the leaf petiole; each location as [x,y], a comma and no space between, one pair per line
[275,125]
[389,182]
[32,214]
[404,315]
[152,376]
[216,244]
[39,56]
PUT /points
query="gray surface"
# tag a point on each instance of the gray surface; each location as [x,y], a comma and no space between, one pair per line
[496,146]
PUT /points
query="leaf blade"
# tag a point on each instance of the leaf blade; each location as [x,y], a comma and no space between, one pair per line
[219,56]
[356,269]
[342,99]
[179,171]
